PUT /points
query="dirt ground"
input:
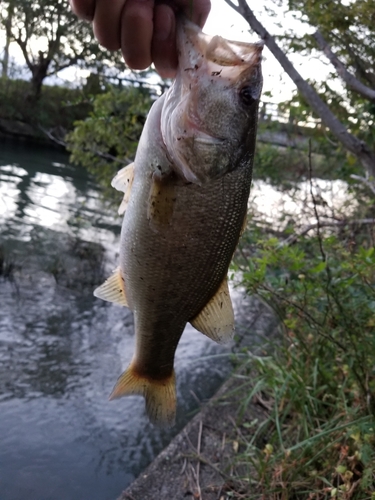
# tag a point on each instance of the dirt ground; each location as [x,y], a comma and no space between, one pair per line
[199,462]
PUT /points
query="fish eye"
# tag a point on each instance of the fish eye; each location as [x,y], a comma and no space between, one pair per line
[246,96]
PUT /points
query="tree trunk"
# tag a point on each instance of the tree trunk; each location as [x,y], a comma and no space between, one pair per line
[349,141]
[8,32]
[348,78]
[39,72]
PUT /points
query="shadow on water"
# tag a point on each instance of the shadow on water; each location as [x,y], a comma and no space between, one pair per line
[61,350]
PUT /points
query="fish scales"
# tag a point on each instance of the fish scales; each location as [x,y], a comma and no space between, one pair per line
[186,201]
[185,263]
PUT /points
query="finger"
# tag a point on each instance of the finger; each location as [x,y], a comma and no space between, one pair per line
[163,49]
[200,11]
[83,8]
[107,23]
[195,10]
[136,33]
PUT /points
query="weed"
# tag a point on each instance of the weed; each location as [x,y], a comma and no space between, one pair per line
[318,383]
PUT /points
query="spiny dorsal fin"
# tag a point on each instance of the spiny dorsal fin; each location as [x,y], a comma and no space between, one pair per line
[123,182]
[113,289]
[161,202]
[216,319]
[160,395]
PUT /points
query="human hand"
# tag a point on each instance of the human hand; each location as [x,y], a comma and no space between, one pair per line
[145,30]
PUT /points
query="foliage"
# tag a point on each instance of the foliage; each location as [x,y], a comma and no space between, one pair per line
[108,138]
[349,26]
[348,29]
[57,109]
[284,166]
[330,105]
[317,382]
[52,38]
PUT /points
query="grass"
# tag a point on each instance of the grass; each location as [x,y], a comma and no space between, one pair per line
[316,383]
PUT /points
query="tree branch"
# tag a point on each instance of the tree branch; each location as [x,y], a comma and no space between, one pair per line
[337,223]
[348,78]
[23,46]
[350,142]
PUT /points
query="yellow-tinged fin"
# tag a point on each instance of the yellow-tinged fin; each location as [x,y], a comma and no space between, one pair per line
[160,395]
[161,202]
[216,319]
[113,289]
[123,182]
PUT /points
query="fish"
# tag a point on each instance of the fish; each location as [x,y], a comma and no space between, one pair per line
[185,206]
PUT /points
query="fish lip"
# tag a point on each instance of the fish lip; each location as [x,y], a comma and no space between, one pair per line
[209,140]
[193,45]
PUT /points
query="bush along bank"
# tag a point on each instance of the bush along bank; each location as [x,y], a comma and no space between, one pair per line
[21,116]
[317,382]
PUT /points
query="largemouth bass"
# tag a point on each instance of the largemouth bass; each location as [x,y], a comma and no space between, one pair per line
[185,203]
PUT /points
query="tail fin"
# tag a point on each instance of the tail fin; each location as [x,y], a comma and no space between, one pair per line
[160,395]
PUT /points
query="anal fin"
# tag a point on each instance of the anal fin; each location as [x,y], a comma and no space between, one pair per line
[113,289]
[123,182]
[216,319]
[160,395]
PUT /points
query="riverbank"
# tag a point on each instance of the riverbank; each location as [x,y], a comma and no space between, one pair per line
[202,462]
[56,111]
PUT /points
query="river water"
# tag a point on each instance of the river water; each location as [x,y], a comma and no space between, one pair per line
[61,349]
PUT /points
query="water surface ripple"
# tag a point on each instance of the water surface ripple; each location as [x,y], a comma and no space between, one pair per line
[61,350]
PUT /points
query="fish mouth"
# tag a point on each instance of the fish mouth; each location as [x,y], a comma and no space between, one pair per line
[196,127]
[209,140]
[223,57]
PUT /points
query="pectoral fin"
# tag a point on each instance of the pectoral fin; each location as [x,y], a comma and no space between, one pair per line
[113,289]
[161,202]
[123,182]
[216,319]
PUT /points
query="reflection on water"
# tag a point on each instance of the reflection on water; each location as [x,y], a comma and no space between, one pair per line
[332,198]
[61,350]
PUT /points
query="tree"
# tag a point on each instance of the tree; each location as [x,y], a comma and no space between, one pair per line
[7,21]
[345,33]
[107,140]
[51,38]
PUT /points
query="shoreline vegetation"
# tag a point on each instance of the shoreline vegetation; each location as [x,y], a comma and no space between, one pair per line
[311,259]
[52,115]
[315,382]
[297,419]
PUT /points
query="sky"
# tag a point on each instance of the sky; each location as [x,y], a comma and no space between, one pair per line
[224,21]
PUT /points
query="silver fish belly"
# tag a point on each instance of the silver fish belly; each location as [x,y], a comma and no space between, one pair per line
[185,203]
